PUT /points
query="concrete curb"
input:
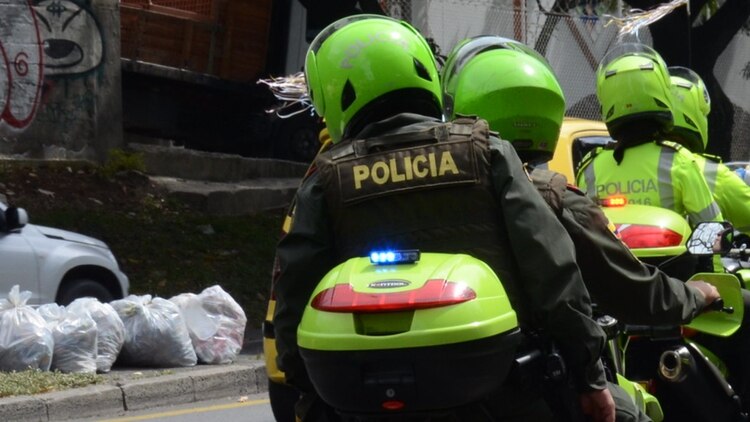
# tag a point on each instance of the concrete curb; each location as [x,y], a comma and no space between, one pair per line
[193,385]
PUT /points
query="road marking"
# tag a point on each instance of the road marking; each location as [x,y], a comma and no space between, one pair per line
[187,411]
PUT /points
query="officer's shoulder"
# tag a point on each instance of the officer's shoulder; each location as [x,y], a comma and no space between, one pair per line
[673,145]
[682,153]
[710,157]
[593,153]
[546,175]
[574,189]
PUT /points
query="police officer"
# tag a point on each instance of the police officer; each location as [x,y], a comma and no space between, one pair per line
[397,176]
[514,88]
[634,90]
[691,107]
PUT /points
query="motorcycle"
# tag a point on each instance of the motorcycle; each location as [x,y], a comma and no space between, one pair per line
[688,380]
[423,336]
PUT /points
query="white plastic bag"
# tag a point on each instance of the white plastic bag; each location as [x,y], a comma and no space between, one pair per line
[155,333]
[216,323]
[109,327]
[25,340]
[75,335]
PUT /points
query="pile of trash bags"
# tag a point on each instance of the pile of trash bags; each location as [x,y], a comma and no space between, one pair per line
[88,336]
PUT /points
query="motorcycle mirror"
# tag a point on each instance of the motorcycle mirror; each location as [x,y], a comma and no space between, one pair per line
[710,238]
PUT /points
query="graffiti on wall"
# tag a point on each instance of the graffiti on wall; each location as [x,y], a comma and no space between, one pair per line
[21,73]
[70,47]
[41,42]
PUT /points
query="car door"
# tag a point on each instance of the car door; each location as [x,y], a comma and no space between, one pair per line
[18,265]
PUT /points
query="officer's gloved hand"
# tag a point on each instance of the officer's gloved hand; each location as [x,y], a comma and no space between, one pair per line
[709,291]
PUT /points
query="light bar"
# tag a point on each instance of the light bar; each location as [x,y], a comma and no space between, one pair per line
[388,257]
[614,201]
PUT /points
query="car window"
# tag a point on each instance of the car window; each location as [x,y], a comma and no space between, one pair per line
[581,146]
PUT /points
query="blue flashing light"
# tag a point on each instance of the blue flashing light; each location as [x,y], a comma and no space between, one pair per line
[388,257]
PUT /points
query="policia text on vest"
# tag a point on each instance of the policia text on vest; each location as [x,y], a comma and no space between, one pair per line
[627,187]
[446,163]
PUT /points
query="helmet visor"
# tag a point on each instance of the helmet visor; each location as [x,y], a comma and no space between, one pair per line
[629,49]
[335,26]
[472,47]
[691,76]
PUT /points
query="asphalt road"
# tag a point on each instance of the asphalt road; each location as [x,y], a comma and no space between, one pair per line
[254,408]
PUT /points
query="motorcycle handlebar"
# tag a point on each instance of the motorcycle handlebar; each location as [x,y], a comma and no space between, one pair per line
[739,253]
[653,331]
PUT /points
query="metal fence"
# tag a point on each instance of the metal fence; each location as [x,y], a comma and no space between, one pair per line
[573,43]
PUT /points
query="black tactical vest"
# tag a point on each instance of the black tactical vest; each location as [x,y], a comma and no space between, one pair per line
[428,189]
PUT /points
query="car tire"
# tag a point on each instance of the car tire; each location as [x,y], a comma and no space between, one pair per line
[296,138]
[283,398]
[83,287]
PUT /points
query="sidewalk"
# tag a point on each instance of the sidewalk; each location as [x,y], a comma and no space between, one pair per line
[129,389]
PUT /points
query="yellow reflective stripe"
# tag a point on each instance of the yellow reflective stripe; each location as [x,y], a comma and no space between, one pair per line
[589,176]
[664,176]
[706,214]
[710,172]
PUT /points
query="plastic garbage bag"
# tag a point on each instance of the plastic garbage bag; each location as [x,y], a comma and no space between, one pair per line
[25,340]
[75,335]
[155,333]
[109,327]
[216,323]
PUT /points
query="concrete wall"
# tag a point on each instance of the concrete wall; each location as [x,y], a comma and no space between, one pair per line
[60,87]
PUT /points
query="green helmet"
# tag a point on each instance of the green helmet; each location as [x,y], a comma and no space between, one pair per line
[691,107]
[512,87]
[364,68]
[632,83]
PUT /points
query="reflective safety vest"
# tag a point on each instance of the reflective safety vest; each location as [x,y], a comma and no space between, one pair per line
[662,174]
[730,192]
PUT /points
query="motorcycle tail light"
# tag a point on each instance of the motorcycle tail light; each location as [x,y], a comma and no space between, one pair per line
[638,236]
[393,405]
[433,294]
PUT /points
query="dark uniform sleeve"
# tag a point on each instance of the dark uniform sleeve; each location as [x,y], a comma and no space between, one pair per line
[621,284]
[552,283]
[304,256]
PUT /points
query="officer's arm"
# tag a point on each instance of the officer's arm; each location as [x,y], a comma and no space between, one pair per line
[696,197]
[620,283]
[305,254]
[733,196]
[551,280]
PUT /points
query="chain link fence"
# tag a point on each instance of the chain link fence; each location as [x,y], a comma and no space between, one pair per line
[573,43]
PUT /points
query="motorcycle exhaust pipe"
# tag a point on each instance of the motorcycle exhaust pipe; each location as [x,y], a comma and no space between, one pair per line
[674,365]
[689,387]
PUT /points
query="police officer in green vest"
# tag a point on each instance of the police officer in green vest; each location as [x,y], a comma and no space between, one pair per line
[397,176]
[634,90]
[691,107]
[515,89]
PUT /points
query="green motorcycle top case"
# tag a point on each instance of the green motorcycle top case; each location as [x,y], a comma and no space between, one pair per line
[432,334]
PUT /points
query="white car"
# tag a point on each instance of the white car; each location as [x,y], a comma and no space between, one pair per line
[55,265]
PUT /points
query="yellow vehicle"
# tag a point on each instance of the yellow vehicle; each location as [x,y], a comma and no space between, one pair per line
[577,138]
